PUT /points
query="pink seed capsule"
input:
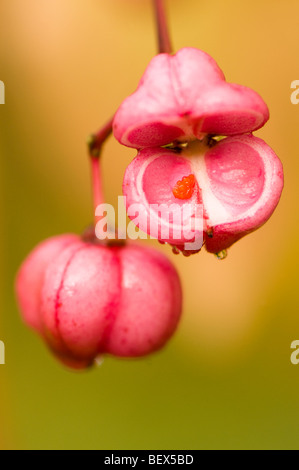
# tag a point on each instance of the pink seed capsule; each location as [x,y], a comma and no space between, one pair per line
[87,299]
[183,97]
[237,183]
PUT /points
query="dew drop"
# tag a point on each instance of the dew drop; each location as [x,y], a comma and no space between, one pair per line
[98,362]
[175,250]
[221,255]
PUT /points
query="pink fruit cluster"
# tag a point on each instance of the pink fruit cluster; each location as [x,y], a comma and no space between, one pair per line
[193,133]
[87,299]
[184,103]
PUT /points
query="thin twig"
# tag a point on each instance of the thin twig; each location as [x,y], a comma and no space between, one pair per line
[164,41]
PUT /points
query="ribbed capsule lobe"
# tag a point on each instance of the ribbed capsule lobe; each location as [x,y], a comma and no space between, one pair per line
[149,306]
[88,299]
[30,276]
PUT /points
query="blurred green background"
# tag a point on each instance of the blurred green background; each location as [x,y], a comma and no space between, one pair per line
[225,381]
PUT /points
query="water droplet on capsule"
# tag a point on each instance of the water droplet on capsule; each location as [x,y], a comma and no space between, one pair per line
[98,362]
[221,255]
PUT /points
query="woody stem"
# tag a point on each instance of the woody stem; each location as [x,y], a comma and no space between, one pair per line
[164,42]
[95,144]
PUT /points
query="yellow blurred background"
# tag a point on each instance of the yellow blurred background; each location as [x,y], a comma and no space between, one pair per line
[225,381]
